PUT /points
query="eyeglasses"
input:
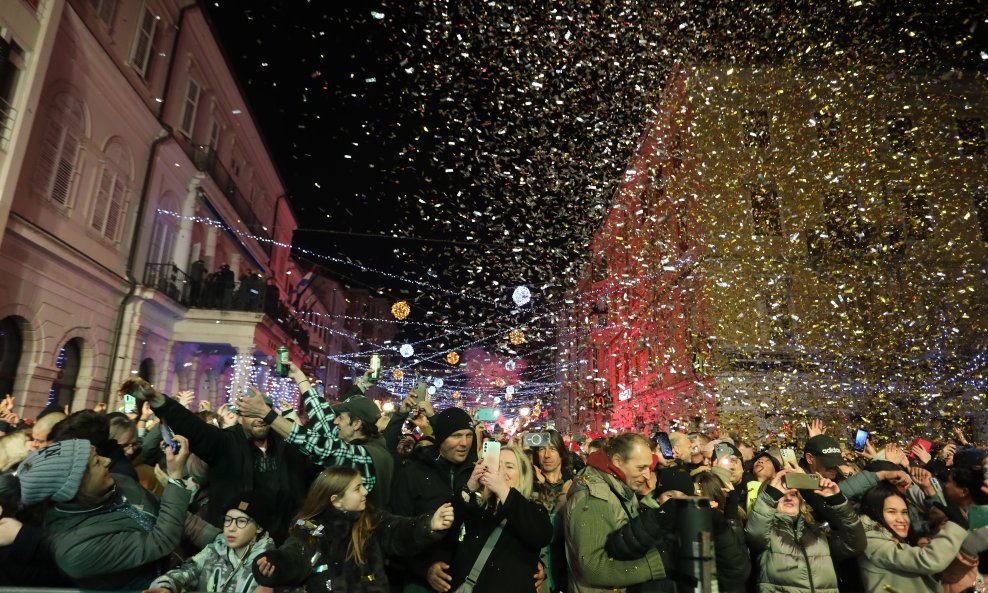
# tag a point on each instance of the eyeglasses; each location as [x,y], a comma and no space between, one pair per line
[240,521]
[132,445]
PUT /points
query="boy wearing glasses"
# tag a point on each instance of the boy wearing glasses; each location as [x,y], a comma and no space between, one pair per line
[225,564]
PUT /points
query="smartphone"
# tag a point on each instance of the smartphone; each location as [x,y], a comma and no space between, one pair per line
[977,516]
[665,446]
[925,444]
[536,439]
[860,440]
[169,437]
[789,457]
[130,404]
[492,454]
[486,415]
[803,481]
[375,367]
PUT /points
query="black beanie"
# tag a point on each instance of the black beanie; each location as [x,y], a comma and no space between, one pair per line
[449,421]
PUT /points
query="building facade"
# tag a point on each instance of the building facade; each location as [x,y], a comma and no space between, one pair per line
[822,237]
[149,231]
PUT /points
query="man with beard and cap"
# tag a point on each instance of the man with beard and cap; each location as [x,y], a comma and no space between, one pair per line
[242,458]
[342,434]
[432,476]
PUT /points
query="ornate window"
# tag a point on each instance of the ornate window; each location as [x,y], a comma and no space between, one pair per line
[111,192]
[60,149]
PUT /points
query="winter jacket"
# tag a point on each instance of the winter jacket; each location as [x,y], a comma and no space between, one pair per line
[236,465]
[423,485]
[597,505]
[216,568]
[795,556]
[28,561]
[315,555]
[125,541]
[514,560]
[906,568]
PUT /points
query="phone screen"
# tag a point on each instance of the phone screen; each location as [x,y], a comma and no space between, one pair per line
[169,437]
[665,446]
[860,440]
[130,404]
[492,454]
[789,457]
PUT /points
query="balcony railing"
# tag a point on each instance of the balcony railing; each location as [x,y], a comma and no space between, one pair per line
[220,290]
[206,160]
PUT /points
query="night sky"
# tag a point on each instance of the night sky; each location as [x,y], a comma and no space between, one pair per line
[490,136]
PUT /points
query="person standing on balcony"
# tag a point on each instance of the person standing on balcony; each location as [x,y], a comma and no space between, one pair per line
[226,278]
[197,273]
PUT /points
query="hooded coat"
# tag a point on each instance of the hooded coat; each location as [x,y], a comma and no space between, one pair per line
[599,503]
[797,557]
[907,568]
[107,546]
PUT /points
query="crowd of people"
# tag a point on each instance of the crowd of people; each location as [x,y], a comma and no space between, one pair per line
[167,496]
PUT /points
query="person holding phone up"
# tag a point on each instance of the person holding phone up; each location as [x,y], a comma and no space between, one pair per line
[797,552]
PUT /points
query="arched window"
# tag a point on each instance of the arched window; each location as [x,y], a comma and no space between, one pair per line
[11,346]
[68,362]
[111,191]
[60,148]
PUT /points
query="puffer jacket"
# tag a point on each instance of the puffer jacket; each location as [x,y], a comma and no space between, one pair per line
[598,504]
[215,569]
[796,556]
[125,541]
[906,568]
[315,554]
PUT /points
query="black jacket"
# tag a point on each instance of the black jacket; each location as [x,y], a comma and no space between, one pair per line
[514,560]
[236,465]
[316,560]
[29,562]
[423,485]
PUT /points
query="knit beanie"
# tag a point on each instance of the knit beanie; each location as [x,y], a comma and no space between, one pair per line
[449,421]
[54,472]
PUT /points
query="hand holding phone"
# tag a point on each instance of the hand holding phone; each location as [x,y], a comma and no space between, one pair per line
[860,440]
[665,446]
[169,438]
[801,481]
[492,455]
[789,458]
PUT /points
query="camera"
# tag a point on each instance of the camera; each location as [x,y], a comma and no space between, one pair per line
[536,439]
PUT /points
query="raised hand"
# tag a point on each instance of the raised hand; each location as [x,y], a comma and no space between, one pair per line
[495,482]
[252,404]
[175,462]
[7,404]
[957,431]
[815,428]
[923,478]
[921,454]
[478,471]
[827,487]
[265,567]
[947,453]
[185,398]
[894,453]
[779,481]
[443,518]
[205,405]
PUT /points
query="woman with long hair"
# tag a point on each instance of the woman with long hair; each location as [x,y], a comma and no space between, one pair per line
[499,499]
[337,542]
[795,550]
[893,560]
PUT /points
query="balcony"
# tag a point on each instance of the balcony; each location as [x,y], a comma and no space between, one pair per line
[222,291]
[205,160]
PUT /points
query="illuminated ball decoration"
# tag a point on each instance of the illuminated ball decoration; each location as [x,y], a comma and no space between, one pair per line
[398,374]
[400,310]
[516,337]
[456,395]
[521,296]
[453,358]
[499,382]
[406,350]
[459,404]
[438,383]
[510,390]
[510,365]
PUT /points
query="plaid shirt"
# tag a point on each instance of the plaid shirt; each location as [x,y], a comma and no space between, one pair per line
[319,440]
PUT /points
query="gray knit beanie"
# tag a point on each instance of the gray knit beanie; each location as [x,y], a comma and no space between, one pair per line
[54,472]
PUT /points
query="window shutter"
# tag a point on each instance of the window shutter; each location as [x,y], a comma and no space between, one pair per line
[49,155]
[102,199]
[143,42]
[116,210]
[65,168]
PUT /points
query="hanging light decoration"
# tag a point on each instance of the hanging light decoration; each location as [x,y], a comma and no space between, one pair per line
[510,365]
[456,395]
[406,350]
[453,358]
[499,382]
[438,382]
[521,296]
[516,337]
[400,310]
[398,374]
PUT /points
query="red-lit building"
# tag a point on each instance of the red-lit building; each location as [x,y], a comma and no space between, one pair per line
[630,345]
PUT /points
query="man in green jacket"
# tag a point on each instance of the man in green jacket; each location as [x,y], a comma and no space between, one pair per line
[602,500]
[105,531]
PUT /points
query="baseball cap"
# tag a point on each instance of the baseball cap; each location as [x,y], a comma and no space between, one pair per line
[360,407]
[825,449]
